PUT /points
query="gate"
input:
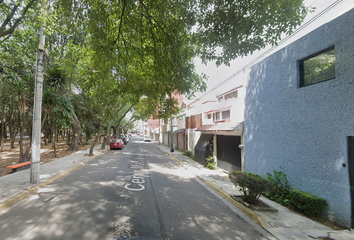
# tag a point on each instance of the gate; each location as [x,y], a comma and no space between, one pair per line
[229,153]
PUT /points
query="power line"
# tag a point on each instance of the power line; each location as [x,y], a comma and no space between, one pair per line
[274,47]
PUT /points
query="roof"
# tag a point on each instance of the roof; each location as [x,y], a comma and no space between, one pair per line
[179,131]
[226,127]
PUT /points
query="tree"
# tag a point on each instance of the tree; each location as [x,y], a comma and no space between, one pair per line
[146,48]
[12,14]
[22,92]
[230,29]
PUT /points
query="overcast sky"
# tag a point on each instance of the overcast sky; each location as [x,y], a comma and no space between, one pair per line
[219,74]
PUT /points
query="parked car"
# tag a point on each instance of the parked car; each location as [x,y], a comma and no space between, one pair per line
[127,138]
[147,139]
[116,143]
[124,139]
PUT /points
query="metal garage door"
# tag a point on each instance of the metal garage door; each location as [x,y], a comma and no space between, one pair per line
[229,153]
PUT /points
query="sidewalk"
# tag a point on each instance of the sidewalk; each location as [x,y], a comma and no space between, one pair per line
[284,224]
[17,186]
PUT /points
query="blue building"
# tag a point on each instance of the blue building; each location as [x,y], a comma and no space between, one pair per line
[299,114]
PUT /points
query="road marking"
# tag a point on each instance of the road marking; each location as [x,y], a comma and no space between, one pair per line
[138,178]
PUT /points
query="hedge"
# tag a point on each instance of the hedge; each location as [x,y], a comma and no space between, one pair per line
[307,203]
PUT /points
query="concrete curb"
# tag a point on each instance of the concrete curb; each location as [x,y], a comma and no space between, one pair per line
[250,213]
[18,197]
[175,159]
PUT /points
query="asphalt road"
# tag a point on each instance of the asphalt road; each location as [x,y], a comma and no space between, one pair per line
[134,193]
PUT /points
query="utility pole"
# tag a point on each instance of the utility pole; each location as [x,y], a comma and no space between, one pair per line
[37,110]
[171,137]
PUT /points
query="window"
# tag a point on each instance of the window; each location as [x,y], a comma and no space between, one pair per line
[231,95]
[208,116]
[318,67]
[225,114]
[220,99]
[217,116]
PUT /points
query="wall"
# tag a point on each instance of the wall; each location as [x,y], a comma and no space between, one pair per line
[238,106]
[194,121]
[192,139]
[305,129]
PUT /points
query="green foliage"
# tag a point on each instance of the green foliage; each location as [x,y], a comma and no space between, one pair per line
[301,201]
[281,191]
[13,13]
[241,27]
[251,185]
[189,154]
[210,163]
[307,203]
[319,68]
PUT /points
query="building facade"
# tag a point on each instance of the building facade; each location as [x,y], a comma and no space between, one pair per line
[299,115]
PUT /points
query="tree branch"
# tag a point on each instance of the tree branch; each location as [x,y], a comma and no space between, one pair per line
[3,31]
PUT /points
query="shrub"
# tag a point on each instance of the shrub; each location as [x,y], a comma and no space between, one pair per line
[303,202]
[188,154]
[307,203]
[251,185]
[210,163]
[281,190]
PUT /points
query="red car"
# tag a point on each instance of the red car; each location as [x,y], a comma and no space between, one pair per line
[116,143]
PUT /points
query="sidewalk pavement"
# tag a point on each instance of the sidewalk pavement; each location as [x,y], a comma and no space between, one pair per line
[283,224]
[16,186]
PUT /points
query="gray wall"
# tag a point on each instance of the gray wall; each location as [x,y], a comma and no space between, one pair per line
[305,129]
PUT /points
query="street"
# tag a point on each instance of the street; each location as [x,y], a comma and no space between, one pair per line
[134,193]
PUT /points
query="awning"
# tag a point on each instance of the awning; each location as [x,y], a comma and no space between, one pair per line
[222,127]
[179,131]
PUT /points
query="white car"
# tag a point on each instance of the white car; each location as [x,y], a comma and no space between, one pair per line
[147,139]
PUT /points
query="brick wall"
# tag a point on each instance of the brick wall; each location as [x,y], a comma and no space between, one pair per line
[194,121]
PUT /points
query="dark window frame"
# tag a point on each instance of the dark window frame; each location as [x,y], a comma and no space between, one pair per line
[302,70]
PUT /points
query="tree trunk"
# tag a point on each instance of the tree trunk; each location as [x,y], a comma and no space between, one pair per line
[96,138]
[107,137]
[26,155]
[12,133]
[45,139]
[68,135]
[54,143]
[109,134]
[114,132]
[51,130]
[76,134]
[2,133]
[21,137]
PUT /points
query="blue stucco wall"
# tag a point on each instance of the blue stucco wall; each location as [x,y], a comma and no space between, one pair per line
[305,129]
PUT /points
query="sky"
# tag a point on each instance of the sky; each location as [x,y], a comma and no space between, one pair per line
[219,74]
